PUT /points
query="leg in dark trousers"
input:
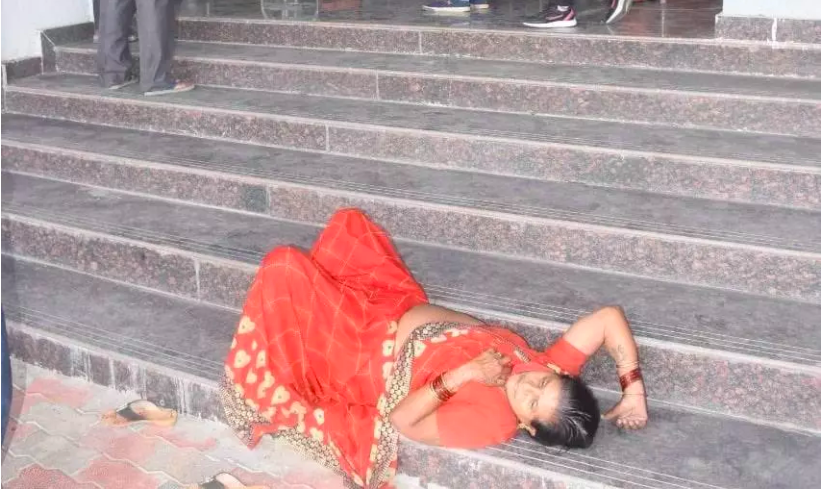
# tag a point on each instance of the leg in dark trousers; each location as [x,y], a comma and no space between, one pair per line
[114,60]
[96,7]
[6,379]
[156,25]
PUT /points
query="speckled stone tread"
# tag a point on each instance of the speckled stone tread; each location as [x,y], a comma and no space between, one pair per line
[769,105]
[789,176]
[627,78]
[737,223]
[743,342]
[244,238]
[520,45]
[687,240]
[679,449]
[312,117]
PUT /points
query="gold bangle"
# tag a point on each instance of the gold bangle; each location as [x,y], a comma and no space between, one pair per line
[629,364]
[629,378]
[442,392]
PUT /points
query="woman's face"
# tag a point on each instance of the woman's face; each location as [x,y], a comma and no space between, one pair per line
[534,395]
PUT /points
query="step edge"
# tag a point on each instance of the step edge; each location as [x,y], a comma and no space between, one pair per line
[463,304]
[606,225]
[798,300]
[437,76]
[183,379]
[524,33]
[330,123]
[189,376]
[697,160]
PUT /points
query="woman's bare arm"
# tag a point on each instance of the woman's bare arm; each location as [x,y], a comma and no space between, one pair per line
[606,327]
[609,327]
[415,417]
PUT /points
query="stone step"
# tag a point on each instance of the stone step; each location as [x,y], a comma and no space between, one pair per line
[735,246]
[703,348]
[726,165]
[148,347]
[760,104]
[708,55]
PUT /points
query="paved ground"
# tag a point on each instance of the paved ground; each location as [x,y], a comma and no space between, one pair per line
[55,441]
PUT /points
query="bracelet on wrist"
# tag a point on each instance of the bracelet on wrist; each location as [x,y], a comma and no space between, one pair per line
[629,378]
[440,390]
[630,365]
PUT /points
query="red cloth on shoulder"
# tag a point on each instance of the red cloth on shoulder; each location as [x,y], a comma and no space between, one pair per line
[566,357]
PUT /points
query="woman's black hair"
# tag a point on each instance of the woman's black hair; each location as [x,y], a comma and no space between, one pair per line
[576,420]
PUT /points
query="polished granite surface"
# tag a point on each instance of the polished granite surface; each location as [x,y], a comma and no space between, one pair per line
[680,19]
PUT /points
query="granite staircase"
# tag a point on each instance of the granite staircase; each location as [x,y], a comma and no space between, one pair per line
[679,178]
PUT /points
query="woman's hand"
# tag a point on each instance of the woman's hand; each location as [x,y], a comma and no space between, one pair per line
[491,368]
[631,412]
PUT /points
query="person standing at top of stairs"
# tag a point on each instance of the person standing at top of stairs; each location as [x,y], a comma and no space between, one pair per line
[156,24]
[561,13]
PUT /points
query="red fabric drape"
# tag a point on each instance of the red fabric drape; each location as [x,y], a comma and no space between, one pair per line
[314,348]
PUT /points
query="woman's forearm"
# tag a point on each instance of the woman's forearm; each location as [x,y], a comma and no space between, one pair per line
[621,346]
[607,327]
[423,401]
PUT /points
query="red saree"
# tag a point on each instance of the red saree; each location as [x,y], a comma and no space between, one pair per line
[313,355]
[313,358]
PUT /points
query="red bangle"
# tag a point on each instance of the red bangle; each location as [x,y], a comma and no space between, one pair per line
[629,378]
[442,392]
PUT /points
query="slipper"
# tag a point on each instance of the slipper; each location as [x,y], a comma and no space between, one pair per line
[124,84]
[140,412]
[224,481]
[175,87]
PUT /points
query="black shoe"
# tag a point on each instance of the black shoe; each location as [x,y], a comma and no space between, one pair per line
[618,10]
[553,16]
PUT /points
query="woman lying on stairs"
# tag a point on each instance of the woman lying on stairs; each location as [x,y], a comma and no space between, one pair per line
[339,352]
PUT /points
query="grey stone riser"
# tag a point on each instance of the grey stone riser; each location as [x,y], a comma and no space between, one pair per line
[703,110]
[684,369]
[675,54]
[665,252]
[79,345]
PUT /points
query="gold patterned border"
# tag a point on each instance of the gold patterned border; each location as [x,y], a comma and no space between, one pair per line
[242,417]
[397,388]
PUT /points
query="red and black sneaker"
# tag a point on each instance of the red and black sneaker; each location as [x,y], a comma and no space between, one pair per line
[553,16]
[618,10]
